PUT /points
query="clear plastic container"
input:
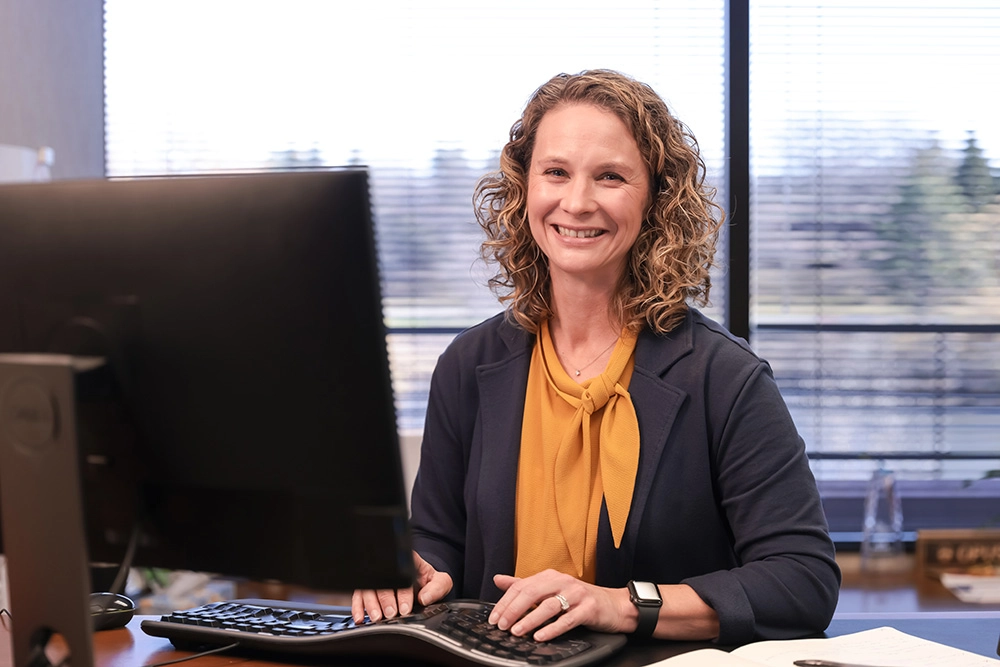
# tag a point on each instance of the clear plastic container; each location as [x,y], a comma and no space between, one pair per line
[43,164]
[882,547]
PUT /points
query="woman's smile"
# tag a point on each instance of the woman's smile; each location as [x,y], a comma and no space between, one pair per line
[578,233]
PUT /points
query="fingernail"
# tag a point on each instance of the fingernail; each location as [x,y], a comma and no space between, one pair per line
[404,609]
[390,612]
[517,629]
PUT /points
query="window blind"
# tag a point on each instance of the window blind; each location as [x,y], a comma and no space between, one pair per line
[422,93]
[876,235]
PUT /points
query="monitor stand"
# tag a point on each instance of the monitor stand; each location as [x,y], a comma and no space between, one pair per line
[41,497]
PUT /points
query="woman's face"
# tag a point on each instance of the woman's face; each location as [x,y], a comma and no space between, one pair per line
[588,190]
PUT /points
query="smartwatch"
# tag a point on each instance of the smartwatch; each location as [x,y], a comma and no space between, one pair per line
[645,595]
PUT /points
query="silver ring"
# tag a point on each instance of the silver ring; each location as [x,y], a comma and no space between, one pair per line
[563,602]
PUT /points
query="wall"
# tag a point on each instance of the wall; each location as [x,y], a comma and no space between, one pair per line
[52,81]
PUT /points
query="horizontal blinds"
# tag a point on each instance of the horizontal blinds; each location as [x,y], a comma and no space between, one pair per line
[877,229]
[423,93]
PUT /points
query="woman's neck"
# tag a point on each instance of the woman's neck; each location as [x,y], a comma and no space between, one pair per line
[582,312]
[582,329]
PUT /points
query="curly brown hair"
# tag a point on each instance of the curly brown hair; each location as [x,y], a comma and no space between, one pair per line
[669,263]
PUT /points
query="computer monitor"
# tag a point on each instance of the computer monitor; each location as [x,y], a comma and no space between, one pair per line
[225,384]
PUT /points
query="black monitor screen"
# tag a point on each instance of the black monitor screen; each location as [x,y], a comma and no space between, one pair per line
[250,428]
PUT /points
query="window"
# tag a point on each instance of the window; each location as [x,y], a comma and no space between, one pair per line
[423,93]
[874,208]
[876,235]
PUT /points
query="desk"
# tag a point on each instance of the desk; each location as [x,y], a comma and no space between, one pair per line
[972,631]
[906,591]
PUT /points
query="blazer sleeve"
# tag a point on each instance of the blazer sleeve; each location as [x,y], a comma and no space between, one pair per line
[437,507]
[787,582]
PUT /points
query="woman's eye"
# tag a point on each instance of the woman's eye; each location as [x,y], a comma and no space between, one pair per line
[612,177]
[555,172]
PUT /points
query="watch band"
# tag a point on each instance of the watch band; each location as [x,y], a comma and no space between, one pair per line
[646,597]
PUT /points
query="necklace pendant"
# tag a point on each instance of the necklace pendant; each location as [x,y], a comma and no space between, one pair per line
[578,373]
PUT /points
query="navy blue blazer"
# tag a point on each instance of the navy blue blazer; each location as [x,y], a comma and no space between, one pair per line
[724,499]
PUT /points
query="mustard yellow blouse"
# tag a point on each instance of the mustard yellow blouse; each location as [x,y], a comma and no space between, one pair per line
[579,446]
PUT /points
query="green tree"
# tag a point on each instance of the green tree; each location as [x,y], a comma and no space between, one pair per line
[974,177]
[917,246]
[938,245]
[977,229]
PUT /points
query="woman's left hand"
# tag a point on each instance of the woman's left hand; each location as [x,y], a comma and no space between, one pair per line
[529,603]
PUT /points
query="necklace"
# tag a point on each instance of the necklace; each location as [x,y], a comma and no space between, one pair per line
[579,370]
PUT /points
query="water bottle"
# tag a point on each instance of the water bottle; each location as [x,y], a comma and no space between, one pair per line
[43,164]
[882,531]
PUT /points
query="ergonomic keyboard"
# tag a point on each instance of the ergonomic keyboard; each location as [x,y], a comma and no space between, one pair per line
[452,634]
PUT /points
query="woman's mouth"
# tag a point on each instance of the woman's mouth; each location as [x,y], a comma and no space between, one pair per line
[578,233]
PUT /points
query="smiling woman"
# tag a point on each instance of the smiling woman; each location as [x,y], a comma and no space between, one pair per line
[663,492]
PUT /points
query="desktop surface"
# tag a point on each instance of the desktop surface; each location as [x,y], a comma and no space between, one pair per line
[131,647]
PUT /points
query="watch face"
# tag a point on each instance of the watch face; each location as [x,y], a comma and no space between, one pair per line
[646,591]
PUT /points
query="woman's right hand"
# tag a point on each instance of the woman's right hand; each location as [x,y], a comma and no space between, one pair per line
[430,586]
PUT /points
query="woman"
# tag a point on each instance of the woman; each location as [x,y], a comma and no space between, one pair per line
[601,454]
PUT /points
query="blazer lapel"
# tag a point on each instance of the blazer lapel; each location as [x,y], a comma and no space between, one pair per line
[656,405]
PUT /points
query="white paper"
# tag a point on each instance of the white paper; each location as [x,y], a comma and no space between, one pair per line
[880,647]
[4,595]
[975,588]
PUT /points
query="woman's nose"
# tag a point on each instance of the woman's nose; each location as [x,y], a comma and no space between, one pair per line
[578,197]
